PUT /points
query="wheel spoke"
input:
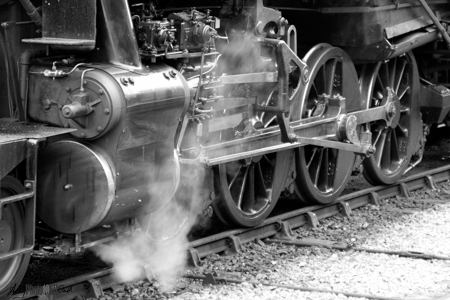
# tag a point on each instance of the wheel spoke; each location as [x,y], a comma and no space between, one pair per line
[386,156]
[400,96]
[234,177]
[395,150]
[400,75]
[393,66]
[314,168]
[271,162]
[248,200]
[404,109]
[270,121]
[315,88]
[323,181]
[319,83]
[380,147]
[380,82]
[380,131]
[260,186]
[242,188]
[403,130]
[314,151]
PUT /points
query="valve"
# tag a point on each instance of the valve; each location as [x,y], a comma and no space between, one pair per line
[80,107]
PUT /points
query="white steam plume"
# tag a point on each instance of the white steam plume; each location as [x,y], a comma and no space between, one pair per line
[154,246]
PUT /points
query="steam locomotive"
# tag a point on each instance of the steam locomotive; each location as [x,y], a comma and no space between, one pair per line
[113,113]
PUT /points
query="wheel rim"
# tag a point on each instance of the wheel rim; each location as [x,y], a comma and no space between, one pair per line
[394,144]
[249,189]
[322,173]
[11,238]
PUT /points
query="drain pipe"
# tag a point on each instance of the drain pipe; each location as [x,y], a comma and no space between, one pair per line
[24,67]
[32,12]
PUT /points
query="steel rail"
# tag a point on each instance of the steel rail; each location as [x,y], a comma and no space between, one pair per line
[92,285]
[284,223]
[330,245]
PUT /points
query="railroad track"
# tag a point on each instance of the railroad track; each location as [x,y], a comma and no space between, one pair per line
[278,228]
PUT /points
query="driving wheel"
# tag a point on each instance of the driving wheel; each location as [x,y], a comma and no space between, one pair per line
[394,144]
[249,189]
[322,173]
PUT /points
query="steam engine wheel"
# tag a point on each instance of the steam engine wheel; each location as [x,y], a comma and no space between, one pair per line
[322,173]
[394,144]
[249,189]
[12,237]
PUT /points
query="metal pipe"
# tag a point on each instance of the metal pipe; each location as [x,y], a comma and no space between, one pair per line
[32,12]
[436,22]
[24,67]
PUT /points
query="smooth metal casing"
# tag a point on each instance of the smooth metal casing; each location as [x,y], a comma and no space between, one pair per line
[132,163]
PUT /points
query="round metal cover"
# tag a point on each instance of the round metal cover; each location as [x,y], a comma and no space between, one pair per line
[105,97]
[75,186]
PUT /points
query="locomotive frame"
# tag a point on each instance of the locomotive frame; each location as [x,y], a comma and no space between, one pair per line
[110,112]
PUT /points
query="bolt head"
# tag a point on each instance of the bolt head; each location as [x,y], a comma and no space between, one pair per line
[391,110]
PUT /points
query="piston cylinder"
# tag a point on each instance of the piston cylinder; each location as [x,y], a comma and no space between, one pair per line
[95,177]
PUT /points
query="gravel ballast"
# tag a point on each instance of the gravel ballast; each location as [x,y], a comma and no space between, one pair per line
[397,224]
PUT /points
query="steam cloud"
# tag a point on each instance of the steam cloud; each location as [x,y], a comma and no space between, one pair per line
[155,245]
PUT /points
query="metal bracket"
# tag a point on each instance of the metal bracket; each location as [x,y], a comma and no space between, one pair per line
[404,190]
[194,258]
[94,289]
[346,210]
[209,279]
[284,56]
[234,244]
[375,199]
[430,183]
[313,221]
[284,230]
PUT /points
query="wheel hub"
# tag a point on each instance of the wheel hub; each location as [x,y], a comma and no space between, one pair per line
[5,236]
[393,108]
